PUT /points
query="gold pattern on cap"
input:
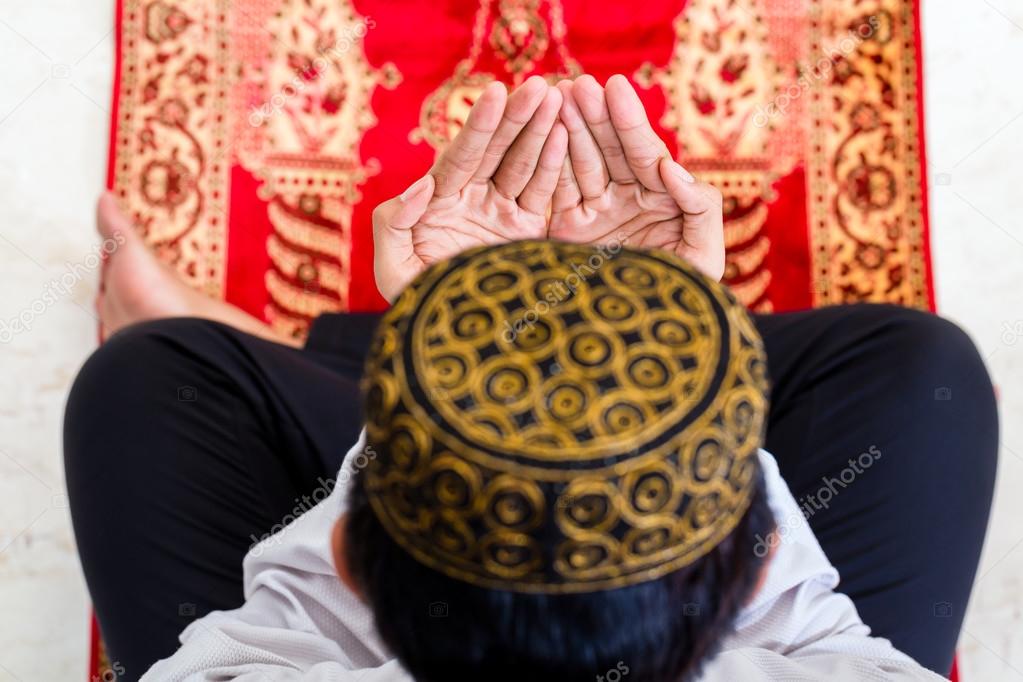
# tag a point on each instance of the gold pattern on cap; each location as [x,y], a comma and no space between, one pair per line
[556,418]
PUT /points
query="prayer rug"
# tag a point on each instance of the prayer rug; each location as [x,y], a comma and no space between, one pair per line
[251,139]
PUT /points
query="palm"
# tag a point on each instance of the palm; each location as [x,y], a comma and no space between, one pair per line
[515,172]
[621,185]
[623,212]
[493,184]
[479,215]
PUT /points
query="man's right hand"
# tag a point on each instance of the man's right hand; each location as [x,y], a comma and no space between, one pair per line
[492,184]
[621,184]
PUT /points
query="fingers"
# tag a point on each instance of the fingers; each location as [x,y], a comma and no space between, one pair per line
[463,157]
[567,194]
[518,164]
[703,231]
[643,148]
[589,96]
[588,170]
[536,197]
[518,111]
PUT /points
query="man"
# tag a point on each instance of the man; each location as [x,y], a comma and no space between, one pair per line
[184,482]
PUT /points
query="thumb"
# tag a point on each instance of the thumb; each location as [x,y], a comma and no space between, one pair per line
[703,228]
[394,259]
[410,206]
[394,219]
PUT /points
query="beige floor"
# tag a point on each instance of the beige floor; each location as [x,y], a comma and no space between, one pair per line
[975,107]
[55,70]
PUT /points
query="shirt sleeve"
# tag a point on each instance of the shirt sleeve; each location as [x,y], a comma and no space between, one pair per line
[797,627]
[298,622]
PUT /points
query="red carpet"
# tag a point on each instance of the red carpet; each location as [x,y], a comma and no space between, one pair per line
[251,139]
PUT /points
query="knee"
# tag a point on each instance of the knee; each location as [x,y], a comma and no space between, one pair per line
[931,354]
[121,387]
[942,389]
[120,369]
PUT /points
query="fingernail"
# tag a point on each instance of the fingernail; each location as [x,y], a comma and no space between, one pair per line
[681,173]
[415,189]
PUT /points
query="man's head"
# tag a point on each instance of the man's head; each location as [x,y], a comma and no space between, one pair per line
[566,479]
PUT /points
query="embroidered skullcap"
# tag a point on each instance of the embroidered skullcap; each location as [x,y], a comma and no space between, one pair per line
[552,417]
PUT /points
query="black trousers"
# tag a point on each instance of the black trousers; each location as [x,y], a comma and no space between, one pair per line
[186,441]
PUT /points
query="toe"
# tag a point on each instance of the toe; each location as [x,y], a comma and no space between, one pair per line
[110,220]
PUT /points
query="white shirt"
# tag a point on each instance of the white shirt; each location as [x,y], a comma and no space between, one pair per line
[300,622]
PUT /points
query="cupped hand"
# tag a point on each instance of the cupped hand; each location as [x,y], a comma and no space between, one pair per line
[493,184]
[619,183]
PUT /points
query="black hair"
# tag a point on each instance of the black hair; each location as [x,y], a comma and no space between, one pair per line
[442,629]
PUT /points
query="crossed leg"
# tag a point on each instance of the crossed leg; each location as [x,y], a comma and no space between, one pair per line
[186,440]
[884,425]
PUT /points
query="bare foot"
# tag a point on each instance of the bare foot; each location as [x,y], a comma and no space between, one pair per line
[135,286]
